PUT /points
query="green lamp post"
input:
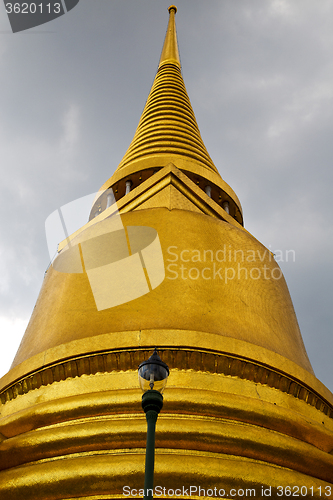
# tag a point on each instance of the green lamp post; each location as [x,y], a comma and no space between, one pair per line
[153,375]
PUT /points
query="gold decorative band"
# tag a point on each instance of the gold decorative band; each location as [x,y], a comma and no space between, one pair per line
[184,359]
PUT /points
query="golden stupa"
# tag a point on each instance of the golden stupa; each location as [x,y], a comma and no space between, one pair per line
[243,412]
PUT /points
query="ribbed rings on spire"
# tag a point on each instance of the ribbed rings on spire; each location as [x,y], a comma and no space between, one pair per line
[168,124]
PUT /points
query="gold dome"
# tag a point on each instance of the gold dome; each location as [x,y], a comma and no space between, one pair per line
[243,409]
[226,284]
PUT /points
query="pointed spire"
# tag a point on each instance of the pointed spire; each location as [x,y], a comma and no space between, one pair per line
[168,129]
[170,53]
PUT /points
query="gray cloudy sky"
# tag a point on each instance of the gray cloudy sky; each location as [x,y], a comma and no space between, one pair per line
[259,74]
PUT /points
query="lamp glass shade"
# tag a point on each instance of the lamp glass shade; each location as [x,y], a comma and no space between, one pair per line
[153,374]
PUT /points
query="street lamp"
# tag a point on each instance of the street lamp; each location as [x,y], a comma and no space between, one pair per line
[153,375]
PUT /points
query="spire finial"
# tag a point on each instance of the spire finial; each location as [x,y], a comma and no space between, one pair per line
[170,52]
